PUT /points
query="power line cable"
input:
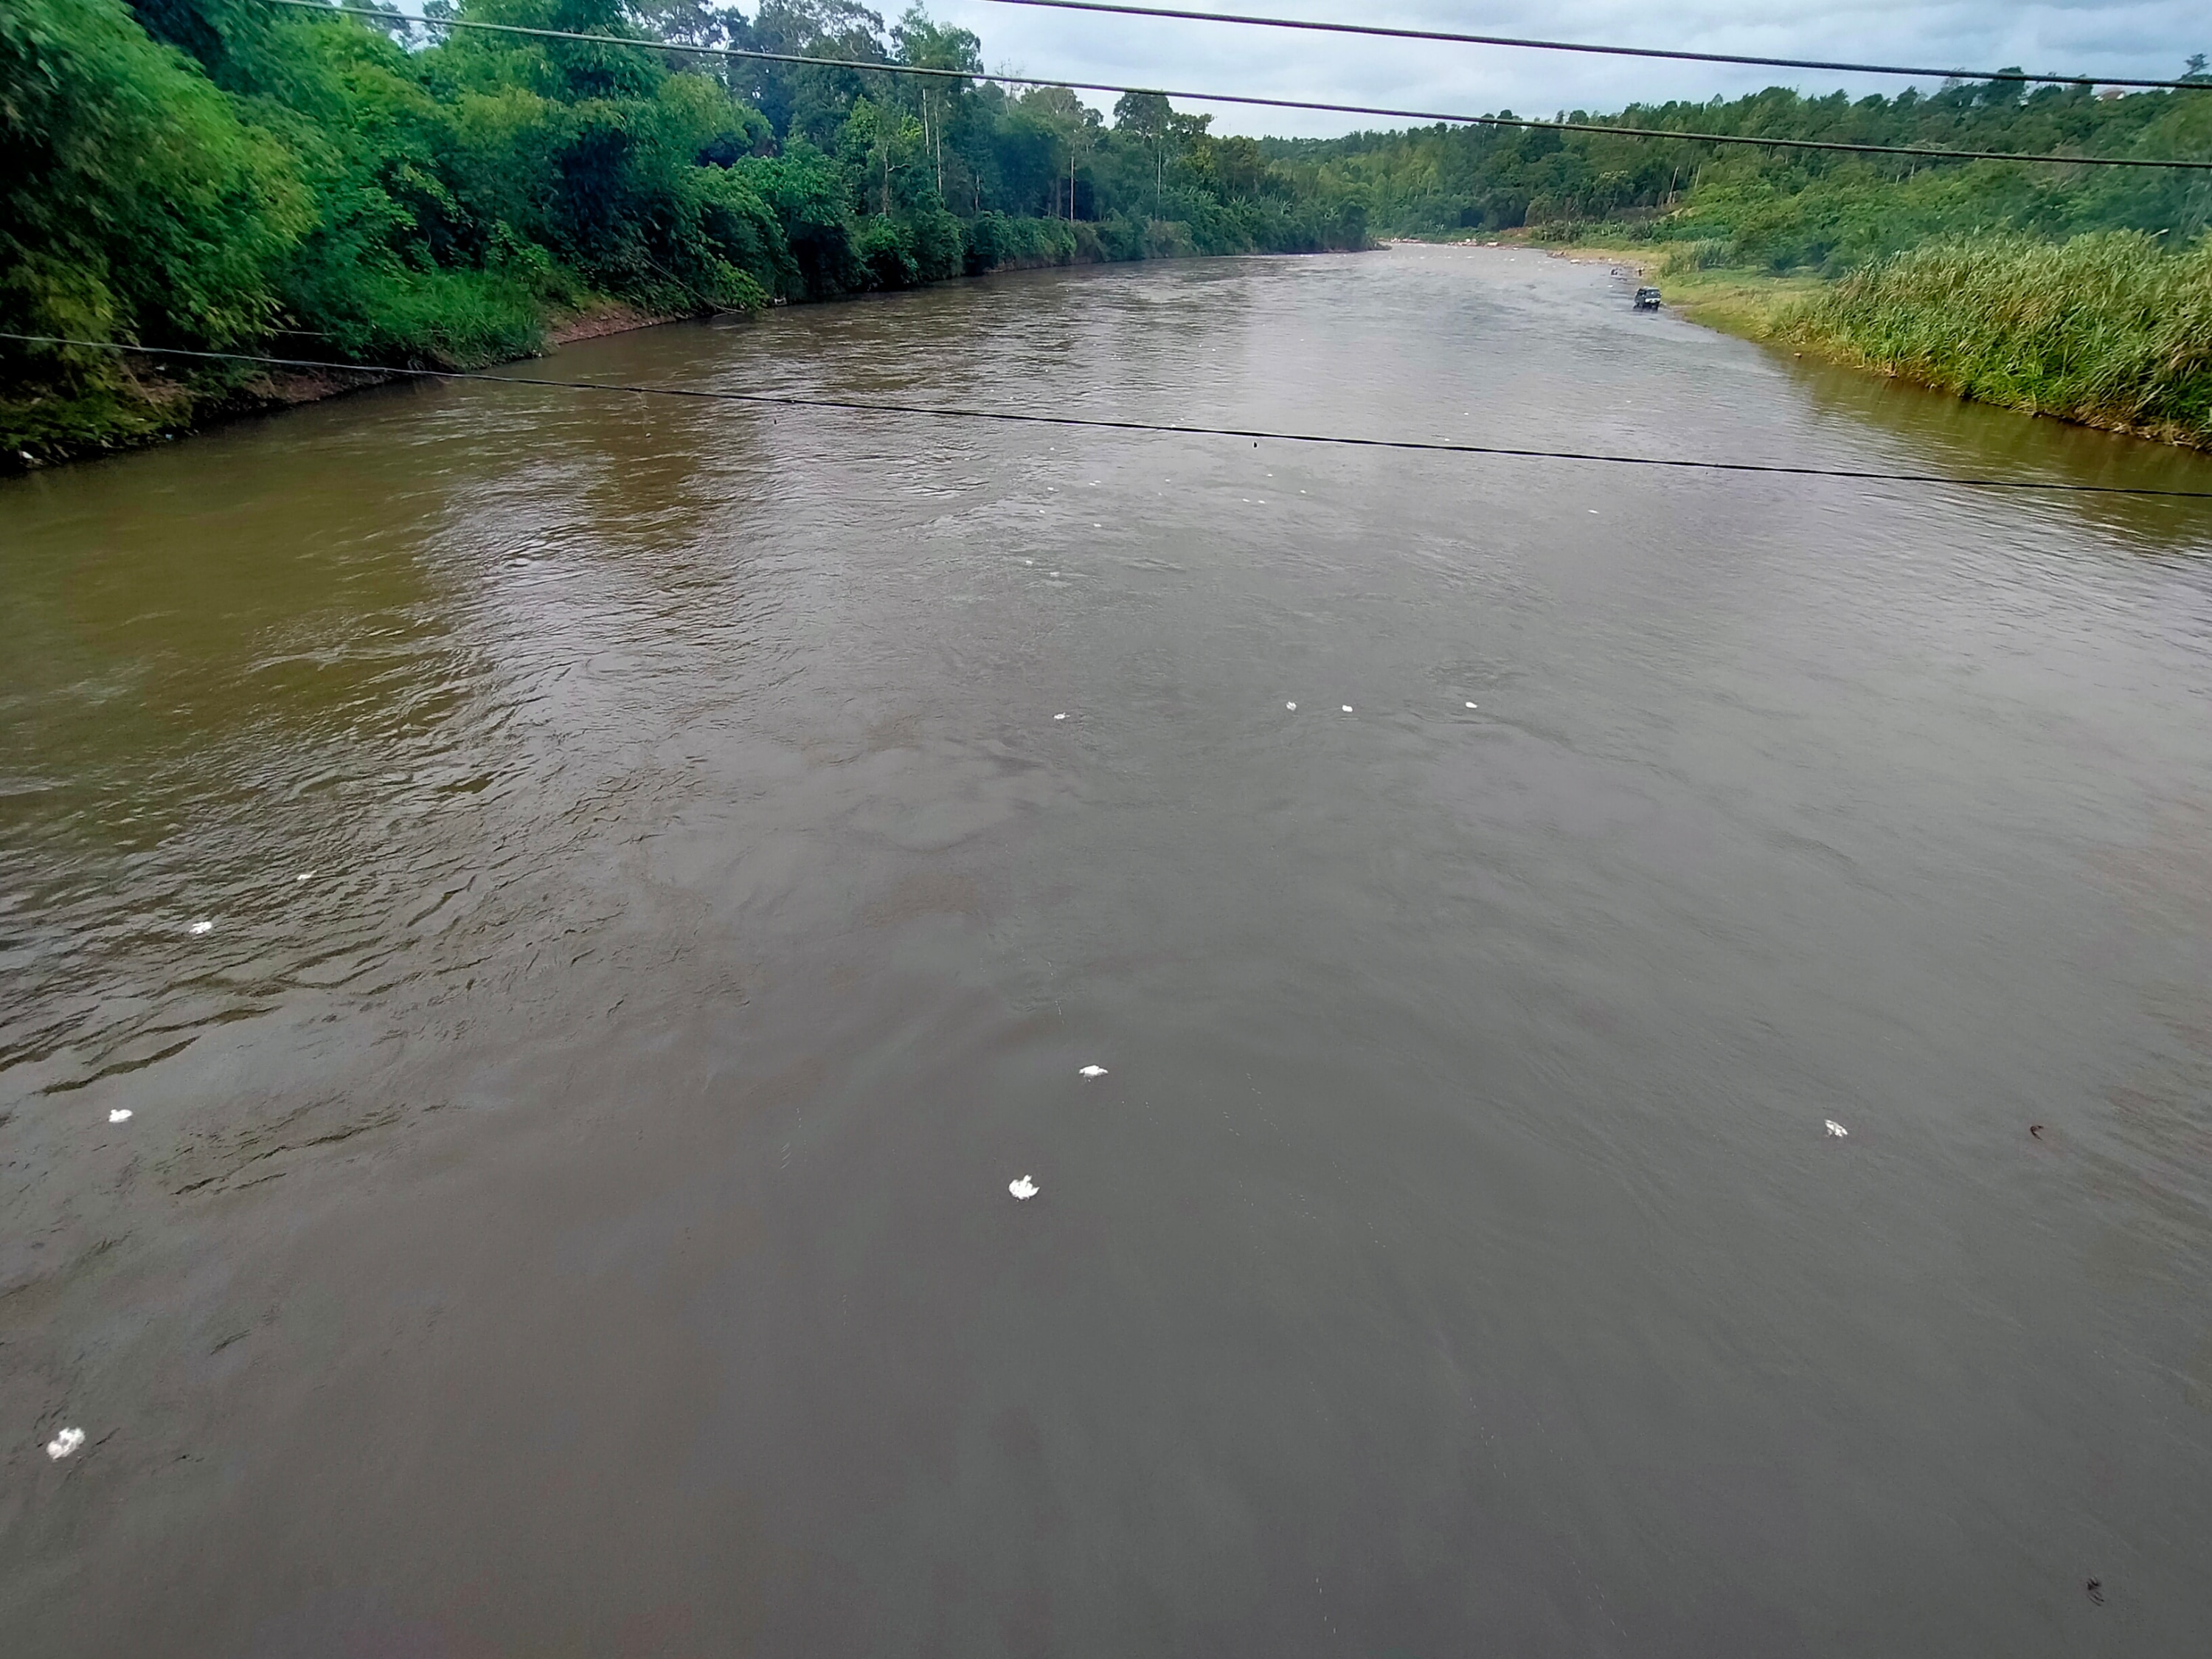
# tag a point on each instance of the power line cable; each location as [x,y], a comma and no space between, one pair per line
[1097,423]
[1609,51]
[1922,152]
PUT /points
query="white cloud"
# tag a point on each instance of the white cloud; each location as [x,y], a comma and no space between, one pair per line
[2137,38]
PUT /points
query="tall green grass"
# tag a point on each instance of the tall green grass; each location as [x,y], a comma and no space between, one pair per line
[2111,329]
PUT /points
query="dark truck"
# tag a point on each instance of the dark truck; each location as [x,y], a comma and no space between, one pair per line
[1647,299]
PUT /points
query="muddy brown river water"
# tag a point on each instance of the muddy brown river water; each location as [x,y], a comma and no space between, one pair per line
[655,909]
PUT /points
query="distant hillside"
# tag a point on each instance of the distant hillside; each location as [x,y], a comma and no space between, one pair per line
[1784,209]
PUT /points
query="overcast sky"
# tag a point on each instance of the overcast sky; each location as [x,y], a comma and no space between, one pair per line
[2108,36]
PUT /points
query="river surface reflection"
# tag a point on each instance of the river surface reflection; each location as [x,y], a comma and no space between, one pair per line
[656,908]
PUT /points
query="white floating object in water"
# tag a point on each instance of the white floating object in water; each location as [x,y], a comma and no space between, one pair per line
[1835,1128]
[120,1115]
[305,875]
[1347,708]
[64,1443]
[1292,706]
[1059,717]
[1470,705]
[1092,1071]
[198,927]
[1020,1187]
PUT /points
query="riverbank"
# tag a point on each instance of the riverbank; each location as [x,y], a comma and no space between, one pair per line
[1749,304]
[142,405]
[2106,331]
[134,405]
[309,186]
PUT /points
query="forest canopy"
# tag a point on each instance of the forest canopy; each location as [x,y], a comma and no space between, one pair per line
[216,174]
[236,175]
[1786,210]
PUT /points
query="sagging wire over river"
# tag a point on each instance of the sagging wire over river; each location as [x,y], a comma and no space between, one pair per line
[1922,152]
[1451,36]
[1257,435]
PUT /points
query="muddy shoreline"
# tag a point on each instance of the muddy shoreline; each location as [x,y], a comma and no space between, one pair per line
[281,389]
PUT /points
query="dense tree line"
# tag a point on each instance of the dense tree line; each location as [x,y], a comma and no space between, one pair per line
[1789,209]
[238,175]
[2079,292]
[225,175]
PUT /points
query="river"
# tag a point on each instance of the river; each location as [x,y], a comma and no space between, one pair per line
[656,907]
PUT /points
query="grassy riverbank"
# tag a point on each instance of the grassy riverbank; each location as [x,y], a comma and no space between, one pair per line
[234,176]
[2040,288]
[1752,304]
[2110,330]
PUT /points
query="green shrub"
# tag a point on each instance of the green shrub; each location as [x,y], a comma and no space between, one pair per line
[886,249]
[998,242]
[1709,254]
[2109,328]
[135,205]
